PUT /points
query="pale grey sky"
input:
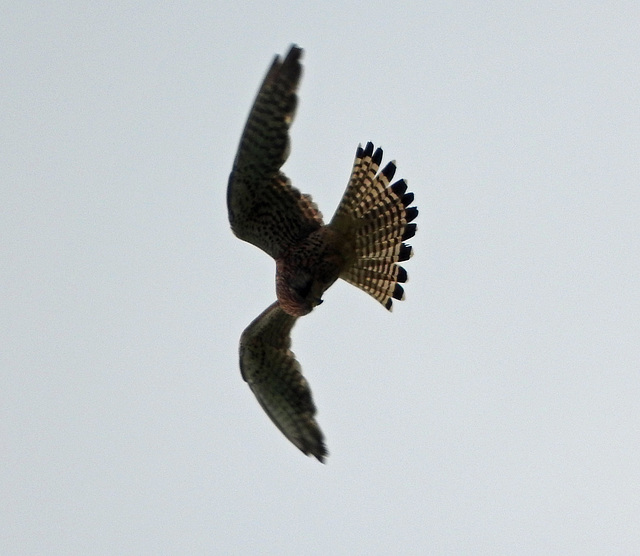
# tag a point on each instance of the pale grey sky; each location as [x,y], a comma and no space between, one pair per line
[495,411]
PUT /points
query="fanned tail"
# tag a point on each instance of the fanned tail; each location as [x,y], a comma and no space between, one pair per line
[377,217]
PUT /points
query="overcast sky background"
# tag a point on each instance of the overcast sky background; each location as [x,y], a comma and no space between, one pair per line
[495,411]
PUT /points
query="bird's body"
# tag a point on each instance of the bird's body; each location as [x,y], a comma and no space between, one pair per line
[308,268]
[362,244]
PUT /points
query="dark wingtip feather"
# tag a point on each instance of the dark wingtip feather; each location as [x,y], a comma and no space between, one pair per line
[399,187]
[405,252]
[312,444]
[389,170]
[368,150]
[411,213]
[398,292]
[402,275]
[407,199]
[320,454]
[388,304]
[294,53]
[409,232]
[291,66]
[377,156]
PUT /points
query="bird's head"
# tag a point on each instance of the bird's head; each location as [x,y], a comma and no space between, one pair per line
[297,290]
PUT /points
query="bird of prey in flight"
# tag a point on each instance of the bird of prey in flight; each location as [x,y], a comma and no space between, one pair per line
[362,244]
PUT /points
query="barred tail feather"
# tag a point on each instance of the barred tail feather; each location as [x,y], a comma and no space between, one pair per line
[377,216]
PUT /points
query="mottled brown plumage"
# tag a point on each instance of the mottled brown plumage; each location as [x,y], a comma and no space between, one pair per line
[275,377]
[363,244]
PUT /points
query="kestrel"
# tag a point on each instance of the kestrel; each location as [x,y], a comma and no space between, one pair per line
[362,244]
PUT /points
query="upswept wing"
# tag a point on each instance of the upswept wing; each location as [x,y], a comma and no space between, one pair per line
[275,377]
[264,208]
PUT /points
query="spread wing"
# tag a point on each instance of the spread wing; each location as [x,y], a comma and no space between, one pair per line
[275,377]
[264,208]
